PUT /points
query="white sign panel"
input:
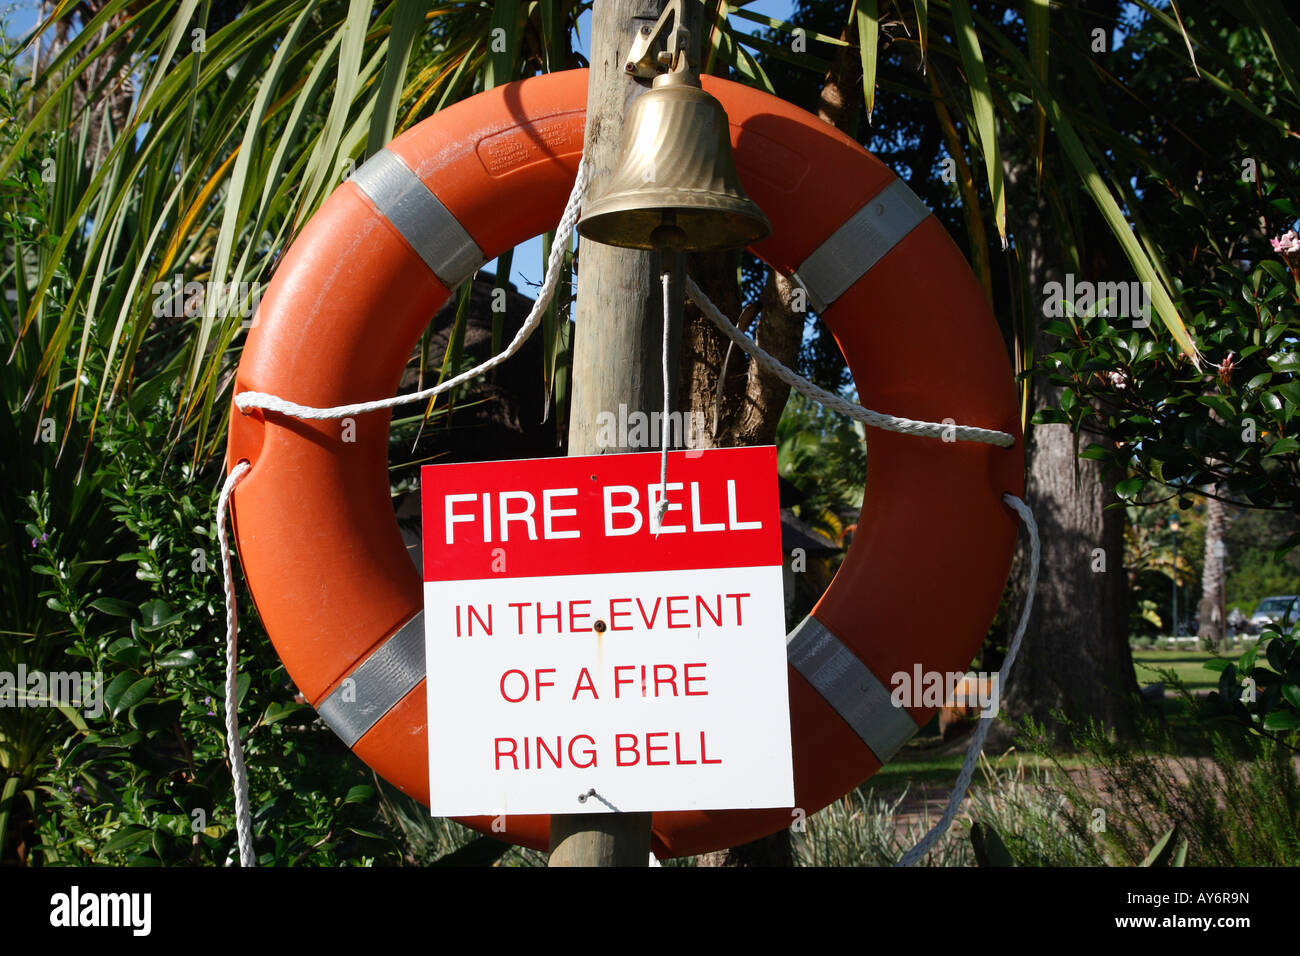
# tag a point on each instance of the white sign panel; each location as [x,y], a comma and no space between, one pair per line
[578,662]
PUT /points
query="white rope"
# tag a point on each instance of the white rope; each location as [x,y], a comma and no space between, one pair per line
[906,426]
[250,400]
[273,403]
[662,508]
[238,772]
[977,742]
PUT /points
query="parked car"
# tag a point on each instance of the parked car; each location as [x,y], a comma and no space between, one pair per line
[1279,610]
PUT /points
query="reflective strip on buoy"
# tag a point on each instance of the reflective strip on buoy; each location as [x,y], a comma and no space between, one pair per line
[424,222]
[850,687]
[391,672]
[862,241]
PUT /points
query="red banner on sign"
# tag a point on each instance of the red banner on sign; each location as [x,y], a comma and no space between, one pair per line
[596,514]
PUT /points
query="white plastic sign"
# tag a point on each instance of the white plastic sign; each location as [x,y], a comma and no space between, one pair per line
[582,659]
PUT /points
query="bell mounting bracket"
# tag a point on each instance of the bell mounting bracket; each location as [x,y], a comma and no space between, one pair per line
[644,60]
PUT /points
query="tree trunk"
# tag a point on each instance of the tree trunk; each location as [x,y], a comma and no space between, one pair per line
[1075,657]
[1211,611]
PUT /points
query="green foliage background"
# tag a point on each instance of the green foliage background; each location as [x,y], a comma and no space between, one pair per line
[203,154]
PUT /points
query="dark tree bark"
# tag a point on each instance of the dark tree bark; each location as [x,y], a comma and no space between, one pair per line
[1075,657]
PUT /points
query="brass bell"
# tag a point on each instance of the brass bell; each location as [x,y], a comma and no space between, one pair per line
[676,169]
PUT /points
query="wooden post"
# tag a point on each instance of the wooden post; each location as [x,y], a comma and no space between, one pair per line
[617,358]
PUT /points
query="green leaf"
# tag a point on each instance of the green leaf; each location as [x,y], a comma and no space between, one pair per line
[116,687]
[321,167]
[361,793]
[114,606]
[1283,446]
[156,614]
[1290,391]
[1036,29]
[1095,452]
[1219,404]
[784,26]
[499,67]
[125,651]
[988,846]
[126,837]
[504,263]
[922,26]
[1282,720]
[1129,488]
[1287,363]
[408,20]
[179,659]
[276,712]
[868,18]
[132,695]
[1162,854]
[981,96]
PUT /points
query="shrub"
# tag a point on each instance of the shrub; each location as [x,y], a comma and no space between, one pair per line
[148,781]
[1235,800]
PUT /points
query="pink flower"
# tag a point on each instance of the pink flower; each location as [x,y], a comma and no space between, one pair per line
[1225,368]
[1117,379]
[1288,244]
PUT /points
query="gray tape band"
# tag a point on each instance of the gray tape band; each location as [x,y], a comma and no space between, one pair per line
[860,243]
[433,232]
[373,689]
[849,687]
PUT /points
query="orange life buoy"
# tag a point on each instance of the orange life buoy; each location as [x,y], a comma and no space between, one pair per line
[319,543]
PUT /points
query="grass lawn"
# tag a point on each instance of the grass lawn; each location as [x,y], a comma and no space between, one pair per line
[1188,665]
[924,764]
[913,769]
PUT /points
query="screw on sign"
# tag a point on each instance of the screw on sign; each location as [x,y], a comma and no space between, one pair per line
[642,661]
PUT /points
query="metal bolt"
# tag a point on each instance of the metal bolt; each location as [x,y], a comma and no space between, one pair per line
[600,627]
[582,797]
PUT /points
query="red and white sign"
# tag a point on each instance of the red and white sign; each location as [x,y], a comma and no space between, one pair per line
[573,652]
